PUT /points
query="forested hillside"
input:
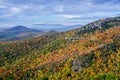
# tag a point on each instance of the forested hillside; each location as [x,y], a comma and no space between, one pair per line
[91,52]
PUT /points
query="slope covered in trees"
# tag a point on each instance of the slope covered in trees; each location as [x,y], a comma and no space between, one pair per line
[95,54]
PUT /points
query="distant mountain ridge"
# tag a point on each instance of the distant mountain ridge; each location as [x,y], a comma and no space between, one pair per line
[17,33]
[18,27]
[22,28]
[56,27]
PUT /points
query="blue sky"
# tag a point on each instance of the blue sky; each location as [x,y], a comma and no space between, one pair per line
[66,12]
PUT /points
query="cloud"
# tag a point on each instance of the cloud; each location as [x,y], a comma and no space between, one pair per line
[8,11]
[5,16]
[69,16]
[39,23]
[64,6]
[15,10]
[18,9]
[57,11]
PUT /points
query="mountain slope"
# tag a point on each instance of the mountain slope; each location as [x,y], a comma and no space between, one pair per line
[101,24]
[95,54]
[17,33]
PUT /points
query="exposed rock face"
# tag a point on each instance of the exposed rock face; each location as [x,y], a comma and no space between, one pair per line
[100,25]
[103,23]
[82,61]
[76,65]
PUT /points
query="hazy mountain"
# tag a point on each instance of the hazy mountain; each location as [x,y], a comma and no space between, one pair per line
[17,33]
[56,27]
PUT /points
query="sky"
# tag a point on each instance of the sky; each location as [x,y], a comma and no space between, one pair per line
[65,12]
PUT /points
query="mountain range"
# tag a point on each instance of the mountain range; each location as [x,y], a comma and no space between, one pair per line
[91,52]
[22,32]
[56,27]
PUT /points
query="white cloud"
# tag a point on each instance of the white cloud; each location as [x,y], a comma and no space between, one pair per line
[5,16]
[15,10]
[36,23]
[69,16]
[18,9]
